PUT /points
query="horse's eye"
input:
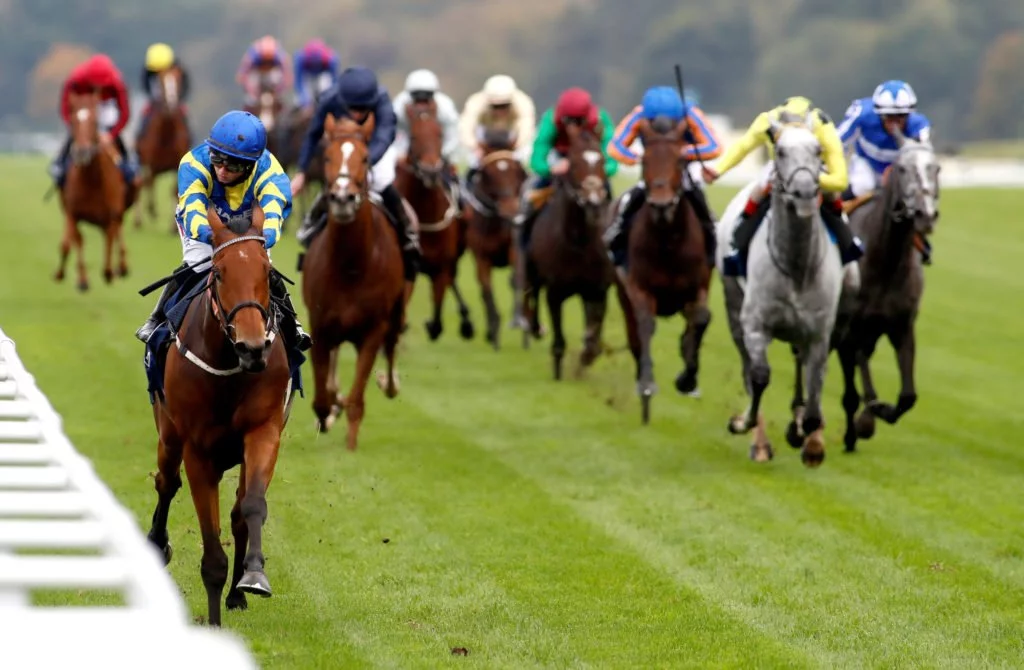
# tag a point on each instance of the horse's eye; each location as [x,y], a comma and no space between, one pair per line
[782,153]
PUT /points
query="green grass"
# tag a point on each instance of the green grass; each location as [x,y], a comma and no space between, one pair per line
[538,524]
[993,149]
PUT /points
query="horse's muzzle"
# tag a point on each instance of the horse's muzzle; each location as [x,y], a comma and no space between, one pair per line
[344,206]
[253,358]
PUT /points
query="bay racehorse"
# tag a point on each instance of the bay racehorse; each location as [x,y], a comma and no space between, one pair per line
[421,181]
[494,194]
[667,266]
[353,283]
[225,401]
[565,255]
[269,108]
[94,190]
[892,283]
[164,140]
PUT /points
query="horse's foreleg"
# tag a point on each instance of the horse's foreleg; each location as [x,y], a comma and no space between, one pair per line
[122,253]
[65,246]
[904,342]
[143,169]
[483,275]
[756,342]
[323,399]
[355,401]
[555,300]
[203,481]
[109,236]
[261,447]
[795,430]
[816,365]
[645,308]
[240,533]
[439,284]
[594,309]
[629,319]
[465,324]
[851,399]
[150,186]
[697,316]
[528,314]
[865,421]
[388,382]
[83,277]
[167,484]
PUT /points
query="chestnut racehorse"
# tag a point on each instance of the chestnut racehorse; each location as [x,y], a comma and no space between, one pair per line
[164,141]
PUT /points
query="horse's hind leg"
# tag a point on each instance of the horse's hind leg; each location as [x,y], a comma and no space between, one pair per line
[629,318]
[851,399]
[865,421]
[795,430]
[816,365]
[555,300]
[594,309]
[261,447]
[483,275]
[240,532]
[203,480]
[439,284]
[903,341]
[122,253]
[355,405]
[698,316]
[83,277]
[65,247]
[388,381]
[168,481]
[465,324]
[645,308]
[109,235]
[323,399]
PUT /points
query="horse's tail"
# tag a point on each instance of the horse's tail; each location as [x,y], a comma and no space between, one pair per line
[49,192]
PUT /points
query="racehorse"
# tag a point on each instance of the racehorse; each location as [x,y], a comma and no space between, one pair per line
[226,399]
[566,254]
[353,283]
[793,284]
[94,191]
[494,195]
[892,284]
[420,180]
[268,108]
[164,141]
[667,263]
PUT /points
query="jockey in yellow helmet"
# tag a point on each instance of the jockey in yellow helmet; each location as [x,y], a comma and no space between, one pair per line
[159,58]
[832,182]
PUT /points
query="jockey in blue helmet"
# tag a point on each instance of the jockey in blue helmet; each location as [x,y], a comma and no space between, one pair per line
[232,171]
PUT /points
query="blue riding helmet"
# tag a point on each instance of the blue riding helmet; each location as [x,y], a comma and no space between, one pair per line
[894,97]
[358,87]
[240,135]
[662,101]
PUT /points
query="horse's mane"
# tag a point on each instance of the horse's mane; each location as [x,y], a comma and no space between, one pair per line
[663,125]
[239,225]
[498,138]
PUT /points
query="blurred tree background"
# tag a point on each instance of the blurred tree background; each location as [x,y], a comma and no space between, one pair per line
[965,59]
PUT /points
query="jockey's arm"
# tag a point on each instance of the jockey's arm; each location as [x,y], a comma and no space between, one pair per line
[194,186]
[836,177]
[919,128]
[146,81]
[385,128]
[448,115]
[705,141]
[543,144]
[756,135]
[398,106]
[287,78]
[124,111]
[273,193]
[850,126]
[470,119]
[611,166]
[65,100]
[526,115]
[623,136]
[244,67]
[301,94]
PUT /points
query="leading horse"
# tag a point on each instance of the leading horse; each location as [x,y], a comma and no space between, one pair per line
[352,280]
[667,262]
[164,141]
[226,399]
[94,191]
[421,181]
[892,284]
[566,255]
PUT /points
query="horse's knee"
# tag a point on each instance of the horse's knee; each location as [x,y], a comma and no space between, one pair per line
[702,317]
[214,567]
[760,376]
[811,422]
[851,401]
[254,507]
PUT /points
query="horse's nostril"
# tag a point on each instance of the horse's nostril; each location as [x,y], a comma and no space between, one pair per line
[267,343]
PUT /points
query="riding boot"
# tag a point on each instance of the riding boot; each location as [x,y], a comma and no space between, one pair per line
[407,236]
[734,263]
[617,234]
[524,222]
[699,202]
[145,331]
[850,246]
[58,166]
[311,222]
[290,321]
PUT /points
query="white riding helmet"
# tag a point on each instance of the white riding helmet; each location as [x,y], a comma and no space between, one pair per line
[422,80]
[499,89]
[894,97]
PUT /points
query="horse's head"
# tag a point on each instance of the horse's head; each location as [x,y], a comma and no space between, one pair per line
[916,181]
[798,164]
[425,141]
[663,166]
[240,286]
[501,176]
[346,166]
[85,129]
[170,81]
[586,177]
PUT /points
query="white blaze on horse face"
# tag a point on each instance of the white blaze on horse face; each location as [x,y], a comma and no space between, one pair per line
[503,165]
[171,85]
[592,157]
[344,177]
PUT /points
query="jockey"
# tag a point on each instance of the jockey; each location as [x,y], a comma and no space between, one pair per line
[267,57]
[423,86]
[662,101]
[499,106]
[551,148]
[233,171]
[159,58]
[358,96]
[869,126]
[316,70]
[97,74]
[832,182]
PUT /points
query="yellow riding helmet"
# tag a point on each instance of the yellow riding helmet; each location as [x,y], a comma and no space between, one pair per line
[797,105]
[159,56]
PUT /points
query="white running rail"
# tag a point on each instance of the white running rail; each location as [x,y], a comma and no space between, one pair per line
[62,530]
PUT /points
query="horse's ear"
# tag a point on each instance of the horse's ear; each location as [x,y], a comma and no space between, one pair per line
[329,123]
[900,138]
[258,218]
[773,131]
[214,220]
[367,128]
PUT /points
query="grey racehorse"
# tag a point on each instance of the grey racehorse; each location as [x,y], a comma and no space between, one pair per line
[892,283]
[794,280]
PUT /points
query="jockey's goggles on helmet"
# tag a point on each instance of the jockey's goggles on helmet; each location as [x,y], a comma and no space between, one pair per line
[359,109]
[229,162]
[574,120]
[422,96]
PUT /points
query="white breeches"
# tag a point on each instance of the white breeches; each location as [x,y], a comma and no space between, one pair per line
[863,177]
[383,173]
[108,114]
[193,251]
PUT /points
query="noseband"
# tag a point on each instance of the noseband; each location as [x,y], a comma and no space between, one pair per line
[218,307]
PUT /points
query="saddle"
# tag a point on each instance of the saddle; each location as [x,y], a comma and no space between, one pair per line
[539,197]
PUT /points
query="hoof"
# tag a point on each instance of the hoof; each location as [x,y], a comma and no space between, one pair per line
[686,383]
[255,583]
[761,453]
[83,286]
[108,276]
[58,276]
[883,411]
[812,459]
[466,330]
[168,552]
[382,384]
[794,435]
[645,408]
[122,272]
[236,601]
[434,329]
[738,425]
[865,425]
[850,444]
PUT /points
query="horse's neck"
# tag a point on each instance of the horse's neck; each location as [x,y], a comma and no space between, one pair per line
[890,243]
[202,334]
[794,242]
[426,200]
[573,223]
[352,244]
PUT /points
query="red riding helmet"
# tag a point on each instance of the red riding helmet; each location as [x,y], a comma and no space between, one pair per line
[575,103]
